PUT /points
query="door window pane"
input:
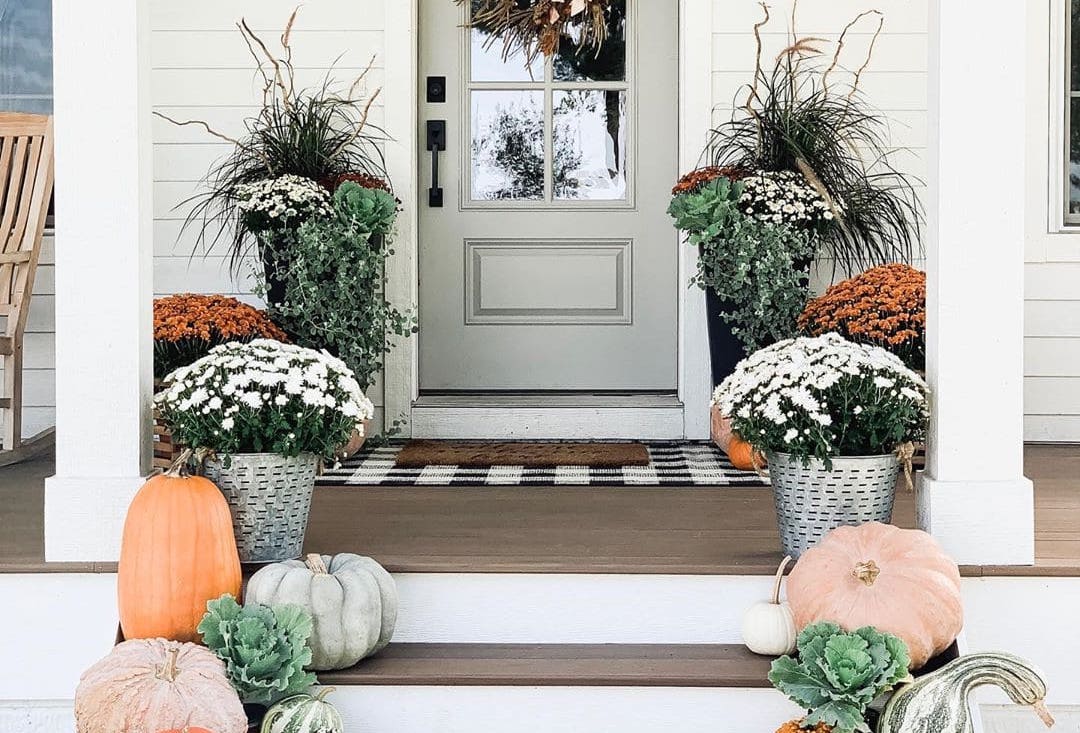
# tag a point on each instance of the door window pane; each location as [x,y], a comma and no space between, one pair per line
[26,56]
[590,131]
[507,145]
[487,56]
[574,64]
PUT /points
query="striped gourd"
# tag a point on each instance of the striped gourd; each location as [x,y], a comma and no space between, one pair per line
[303,714]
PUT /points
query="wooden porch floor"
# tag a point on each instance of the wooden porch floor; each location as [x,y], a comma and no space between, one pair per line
[564,529]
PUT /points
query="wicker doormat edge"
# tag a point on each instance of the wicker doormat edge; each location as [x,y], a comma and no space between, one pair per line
[482,454]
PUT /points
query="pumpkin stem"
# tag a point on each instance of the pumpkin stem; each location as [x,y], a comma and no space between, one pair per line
[315,564]
[867,572]
[1044,714]
[780,579]
[323,692]
[167,672]
[179,467]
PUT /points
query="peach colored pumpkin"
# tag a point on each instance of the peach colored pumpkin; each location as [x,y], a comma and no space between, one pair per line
[897,580]
[149,685]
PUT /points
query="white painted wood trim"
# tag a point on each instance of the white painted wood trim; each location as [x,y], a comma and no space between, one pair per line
[551,423]
[1056,79]
[401,373]
[695,120]
[974,497]
[104,274]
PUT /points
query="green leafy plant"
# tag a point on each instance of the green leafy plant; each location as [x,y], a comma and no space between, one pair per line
[758,268]
[334,283]
[837,675]
[317,133]
[797,117]
[264,649]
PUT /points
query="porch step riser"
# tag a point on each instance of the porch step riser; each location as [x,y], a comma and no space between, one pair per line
[560,709]
[568,609]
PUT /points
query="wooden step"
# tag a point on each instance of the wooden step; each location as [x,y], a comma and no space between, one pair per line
[559,665]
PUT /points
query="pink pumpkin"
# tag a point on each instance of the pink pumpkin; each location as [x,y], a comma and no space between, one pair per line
[150,685]
[896,580]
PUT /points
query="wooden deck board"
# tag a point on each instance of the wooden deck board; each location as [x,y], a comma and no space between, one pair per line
[565,529]
[540,665]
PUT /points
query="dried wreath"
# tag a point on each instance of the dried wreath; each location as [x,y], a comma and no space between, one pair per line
[538,26]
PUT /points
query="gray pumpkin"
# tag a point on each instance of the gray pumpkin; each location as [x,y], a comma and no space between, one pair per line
[352,600]
[938,702]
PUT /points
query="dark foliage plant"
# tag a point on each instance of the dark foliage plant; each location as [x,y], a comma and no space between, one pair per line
[319,133]
[794,119]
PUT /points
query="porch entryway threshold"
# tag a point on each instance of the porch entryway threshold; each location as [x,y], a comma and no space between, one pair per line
[671,463]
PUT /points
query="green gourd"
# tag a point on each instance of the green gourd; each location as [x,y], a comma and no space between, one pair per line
[938,702]
[352,600]
[303,714]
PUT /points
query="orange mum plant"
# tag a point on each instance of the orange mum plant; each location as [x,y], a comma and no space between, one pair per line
[187,326]
[884,306]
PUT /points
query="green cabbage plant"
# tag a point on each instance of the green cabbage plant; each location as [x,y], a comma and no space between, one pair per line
[264,649]
[837,675]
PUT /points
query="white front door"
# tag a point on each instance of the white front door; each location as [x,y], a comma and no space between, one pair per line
[551,264]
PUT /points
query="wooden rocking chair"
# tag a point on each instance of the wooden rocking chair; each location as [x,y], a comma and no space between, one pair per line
[26,184]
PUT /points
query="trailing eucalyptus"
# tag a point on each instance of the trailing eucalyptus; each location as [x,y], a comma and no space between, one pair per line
[335,284]
[758,268]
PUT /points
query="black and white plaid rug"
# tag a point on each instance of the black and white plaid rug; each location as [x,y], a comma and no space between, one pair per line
[671,464]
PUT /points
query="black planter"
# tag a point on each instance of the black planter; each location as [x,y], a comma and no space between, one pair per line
[725,348]
[275,285]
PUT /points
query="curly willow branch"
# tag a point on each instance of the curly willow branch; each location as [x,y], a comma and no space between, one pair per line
[843,37]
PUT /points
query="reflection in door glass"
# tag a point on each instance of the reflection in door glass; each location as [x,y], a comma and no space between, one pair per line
[608,63]
[487,57]
[590,128]
[507,145]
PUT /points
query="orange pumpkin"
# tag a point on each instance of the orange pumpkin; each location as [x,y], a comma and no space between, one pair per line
[740,452]
[178,552]
[897,580]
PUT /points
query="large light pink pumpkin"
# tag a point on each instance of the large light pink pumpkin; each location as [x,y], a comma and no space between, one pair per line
[150,685]
[897,580]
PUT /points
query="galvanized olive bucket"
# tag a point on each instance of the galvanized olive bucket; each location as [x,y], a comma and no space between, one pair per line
[269,498]
[812,500]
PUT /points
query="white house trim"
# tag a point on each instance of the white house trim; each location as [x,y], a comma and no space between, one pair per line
[974,497]
[103,275]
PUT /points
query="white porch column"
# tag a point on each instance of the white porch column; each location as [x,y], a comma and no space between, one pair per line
[974,497]
[104,274]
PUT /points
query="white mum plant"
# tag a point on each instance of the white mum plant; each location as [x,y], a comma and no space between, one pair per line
[784,197]
[823,398]
[277,203]
[264,397]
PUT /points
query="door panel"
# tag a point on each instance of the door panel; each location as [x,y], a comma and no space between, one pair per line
[552,264]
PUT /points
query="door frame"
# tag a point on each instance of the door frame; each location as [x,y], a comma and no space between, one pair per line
[400,102]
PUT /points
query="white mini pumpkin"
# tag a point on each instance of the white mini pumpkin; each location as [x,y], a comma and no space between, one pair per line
[303,714]
[769,627]
[352,600]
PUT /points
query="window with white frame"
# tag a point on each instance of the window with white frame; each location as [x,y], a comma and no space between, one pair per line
[1072,114]
[26,56]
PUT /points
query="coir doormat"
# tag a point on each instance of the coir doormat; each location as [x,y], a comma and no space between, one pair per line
[477,454]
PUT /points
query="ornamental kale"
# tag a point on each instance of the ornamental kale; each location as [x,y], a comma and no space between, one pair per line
[758,267]
[838,675]
[264,649]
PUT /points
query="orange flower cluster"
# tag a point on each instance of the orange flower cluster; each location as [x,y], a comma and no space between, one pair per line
[796,726]
[695,179]
[210,318]
[884,306]
[361,179]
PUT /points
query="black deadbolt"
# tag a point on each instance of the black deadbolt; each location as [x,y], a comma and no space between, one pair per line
[436,89]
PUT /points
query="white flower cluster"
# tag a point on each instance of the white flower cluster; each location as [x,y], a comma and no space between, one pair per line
[266,386]
[285,200]
[797,389]
[783,197]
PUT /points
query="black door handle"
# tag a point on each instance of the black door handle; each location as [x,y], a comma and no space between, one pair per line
[436,142]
